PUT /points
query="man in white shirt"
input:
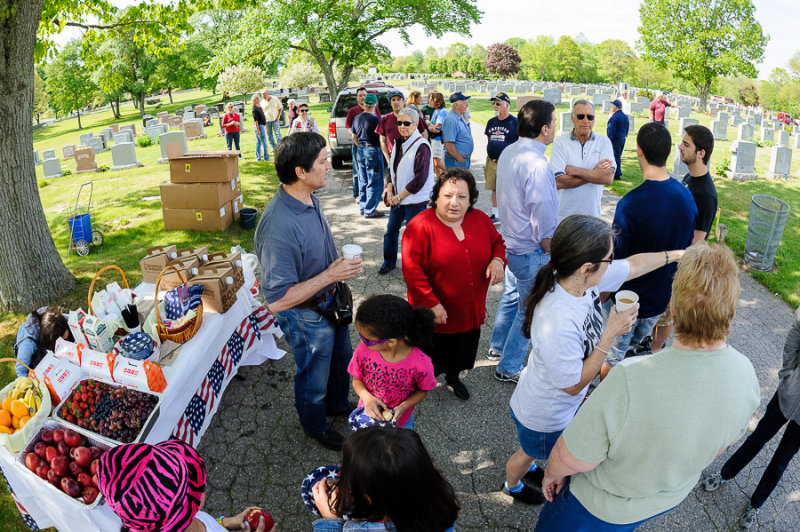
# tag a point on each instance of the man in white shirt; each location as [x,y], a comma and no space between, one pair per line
[582,161]
[272,111]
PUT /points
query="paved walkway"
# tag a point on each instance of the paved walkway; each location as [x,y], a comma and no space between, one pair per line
[257,454]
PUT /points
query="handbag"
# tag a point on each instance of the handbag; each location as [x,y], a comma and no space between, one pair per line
[339,308]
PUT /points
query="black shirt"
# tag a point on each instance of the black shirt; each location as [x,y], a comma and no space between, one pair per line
[705,196]
[258,116]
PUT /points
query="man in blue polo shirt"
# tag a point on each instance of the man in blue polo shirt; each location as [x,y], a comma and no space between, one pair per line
[457,133]
[299,267]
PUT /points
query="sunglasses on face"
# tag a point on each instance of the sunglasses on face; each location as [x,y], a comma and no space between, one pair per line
[303,110]
[372,343]
[582,116]
[404,123]
[609,259]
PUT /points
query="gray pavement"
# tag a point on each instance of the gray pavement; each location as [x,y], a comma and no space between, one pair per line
[257,454]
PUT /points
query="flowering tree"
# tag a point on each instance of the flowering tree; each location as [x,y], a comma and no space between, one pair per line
[502,59]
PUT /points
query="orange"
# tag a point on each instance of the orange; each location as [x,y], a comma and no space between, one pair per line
[7,403]
[15,422]
[5,430]
[5,418]
[24,420]
[19,408]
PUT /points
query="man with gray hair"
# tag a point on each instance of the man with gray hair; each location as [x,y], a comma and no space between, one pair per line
[583,161]
[272,112]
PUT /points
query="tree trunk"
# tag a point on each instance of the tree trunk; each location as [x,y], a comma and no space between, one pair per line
[31,271]
[703,91]
[79,120]
[118,115]
[169,91]
[141,103]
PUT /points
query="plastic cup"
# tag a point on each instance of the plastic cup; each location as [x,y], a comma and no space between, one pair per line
[351,251]
[625,299]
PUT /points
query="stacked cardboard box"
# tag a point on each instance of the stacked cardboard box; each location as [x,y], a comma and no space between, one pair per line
[204,192]
[219,292]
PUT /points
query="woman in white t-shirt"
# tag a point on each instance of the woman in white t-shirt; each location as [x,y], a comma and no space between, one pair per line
[564,321]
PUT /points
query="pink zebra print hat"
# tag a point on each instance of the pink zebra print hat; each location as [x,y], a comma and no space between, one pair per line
[153,488]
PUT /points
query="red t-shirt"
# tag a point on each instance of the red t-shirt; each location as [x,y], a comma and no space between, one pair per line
[438,268]
[388,128]
[354,112]
[659,109]
[228,118]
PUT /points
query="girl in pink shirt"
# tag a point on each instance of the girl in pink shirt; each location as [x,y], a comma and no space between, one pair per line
[389,370]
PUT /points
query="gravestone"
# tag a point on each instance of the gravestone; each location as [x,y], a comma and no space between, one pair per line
[324,97]
[179,112]
[606,106]
[644,101]
[188,115]
[162,114]
[68,151]
[780,162]
[679,168]
[522,100]
[590,91]
[123,136]
[36,160]
[565,122]
[797,141]
[723,117]
[631,128]
[757,119]
[767,134]
[115,128]
[145,119]
[683,112]
[712,112]
[168,138]
[165,119]
[736,120]
[156,130]
[743,160]
[85,138]
[123,156]
[151,122]
[746,131]
[193,129]
[49,154]
[52,168]
[107,134]
[598,98]
[553,96]
[783,138]
[777,126]
[132,127]
[719,129]
[97,144]
[686,122]
[636,107]
[200,109]
[84,160]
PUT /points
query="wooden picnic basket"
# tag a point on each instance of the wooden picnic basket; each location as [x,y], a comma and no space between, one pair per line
[190,328]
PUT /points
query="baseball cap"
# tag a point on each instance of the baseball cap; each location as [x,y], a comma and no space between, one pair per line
[458,96]
[371,99]
[501,97]
[617,103]
[392,94]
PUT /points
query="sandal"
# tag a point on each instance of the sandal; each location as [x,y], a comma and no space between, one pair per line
[749,517]
[713,482]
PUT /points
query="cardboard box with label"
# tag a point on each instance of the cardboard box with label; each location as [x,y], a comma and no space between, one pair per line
[219,293]
[204,167]
[198,219]
[157,257]
[187,266]
[236,206]
[231,260]
[201,253]
[199,195]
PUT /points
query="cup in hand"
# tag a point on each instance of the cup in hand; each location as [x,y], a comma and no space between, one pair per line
[351,251]
[625,299]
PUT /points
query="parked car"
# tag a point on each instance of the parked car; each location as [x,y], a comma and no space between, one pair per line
[338,137]
[785,118]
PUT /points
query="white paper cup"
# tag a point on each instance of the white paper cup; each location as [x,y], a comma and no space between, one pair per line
[351,251]
[625,299]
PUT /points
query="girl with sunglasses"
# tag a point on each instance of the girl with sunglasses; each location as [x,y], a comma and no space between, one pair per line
[303,122]
[389,370]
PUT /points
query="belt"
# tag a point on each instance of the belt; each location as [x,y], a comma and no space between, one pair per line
[314,302]
[490,159]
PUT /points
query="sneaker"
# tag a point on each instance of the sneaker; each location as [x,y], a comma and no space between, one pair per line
[385,268]
[493,217]
[749,517]
[330,439]
[493,355]
[713,482]
[458,389]
[376,214]
[527,495]
[535,477]
[502,377]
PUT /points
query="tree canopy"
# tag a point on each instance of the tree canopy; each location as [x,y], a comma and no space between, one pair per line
[502,59]
[69,81]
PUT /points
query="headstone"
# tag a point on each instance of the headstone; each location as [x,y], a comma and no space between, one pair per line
[746,131]
[598,98]
[679,168]
[123,155]
[631,127]
[151,122]
[606,106]
[49,154]
[162,114]
[146,119]
[324,97]
[68,151]
[723,117]
[566,122]
[783,138]
[684,112]
[686,122]
[590,91]
[553,96]
[643,100]
[123,136]
[719,129]
[200,109]
[777,126]
[736,120]
[767,134]
[85,138]
[757,119]
[156,130]
[743,160]
[52,168]
[780,162]
[107,134]
[132,127]
[522,100]
[84,160]
[36,160]
[169,138]
[97,144]
[193,129]
[636,107]
[797,141]
[712,112]
[115,128]
[188,115]
[179,112]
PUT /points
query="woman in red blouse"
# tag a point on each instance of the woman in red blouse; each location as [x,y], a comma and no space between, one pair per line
[451,253]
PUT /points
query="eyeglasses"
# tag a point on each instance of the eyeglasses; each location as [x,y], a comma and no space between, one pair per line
[497,103]
[609,259]
[404,123]
[582,116]
[303,110]
[372,343]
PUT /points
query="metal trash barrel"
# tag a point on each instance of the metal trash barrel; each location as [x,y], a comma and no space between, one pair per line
[768,217]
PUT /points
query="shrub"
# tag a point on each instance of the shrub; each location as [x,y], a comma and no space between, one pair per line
[722,167]
[66,172]
[646,93]
[144,141]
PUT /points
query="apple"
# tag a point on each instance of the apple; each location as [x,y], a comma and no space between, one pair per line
[90,494]
[47,436]
[253,517]
[72,438]
[58,435]
[50,453]
[94,481]
[41,450]
[75,469]
[32,461]
[85,479]
[83,456]
[63,448]
[52,478]
[42,470]
[93,466]
[60,464]
[97,452]
[71,487]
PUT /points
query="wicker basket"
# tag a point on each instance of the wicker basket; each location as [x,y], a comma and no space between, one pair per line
[17,441]
[94,279]
[190,329]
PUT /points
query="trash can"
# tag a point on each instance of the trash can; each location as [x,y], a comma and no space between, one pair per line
[768,217]
[248,217]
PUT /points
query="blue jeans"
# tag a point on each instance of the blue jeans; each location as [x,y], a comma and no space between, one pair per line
[261,142]
[370,178]
[231,139]
[641,328]
[507,340]
[451,162]
[354,158]
[398,215]
[567,514]
[274,126]
[535,444]
[618,145]
[321,353]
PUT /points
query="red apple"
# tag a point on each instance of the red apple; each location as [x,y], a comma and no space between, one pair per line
[63,448]
[94,481]
[85,479]
[41,450]
[83,456]
[72,438]
[58,435]
[71,487]
[32,461]
[75,469]
[253,518]
[42,470]
[52,478]
[60,464]
[97,452]
[93,466]
[90,494]
[47,436]
[50,453]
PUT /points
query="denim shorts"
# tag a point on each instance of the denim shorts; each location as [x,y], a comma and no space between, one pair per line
[535,444]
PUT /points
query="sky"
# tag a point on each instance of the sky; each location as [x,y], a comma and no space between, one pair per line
[596,20]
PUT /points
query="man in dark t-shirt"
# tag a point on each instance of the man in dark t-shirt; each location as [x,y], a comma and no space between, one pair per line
[696,148]
[370,159]
[361,94]
[501,131]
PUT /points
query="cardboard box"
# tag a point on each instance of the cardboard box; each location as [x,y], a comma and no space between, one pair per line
[197,195]
[230,260]
[204,167]
[157,257]
[198,219]
[219,294]
[201,253]
[236,206]
[188,266]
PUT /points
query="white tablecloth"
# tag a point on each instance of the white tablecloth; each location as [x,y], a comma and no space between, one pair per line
[245,335]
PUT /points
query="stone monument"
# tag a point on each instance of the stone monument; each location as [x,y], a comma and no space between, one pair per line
[686,122]
[68,151]
[743,160]
[52,168]
[84,160]
[679,168]
[168,138]
[780,162]
[123,155]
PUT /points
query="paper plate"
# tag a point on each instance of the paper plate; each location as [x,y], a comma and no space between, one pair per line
[360,420]
[311,479]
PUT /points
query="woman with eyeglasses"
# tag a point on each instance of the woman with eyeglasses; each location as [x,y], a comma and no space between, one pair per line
[564,321]
[303,122]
